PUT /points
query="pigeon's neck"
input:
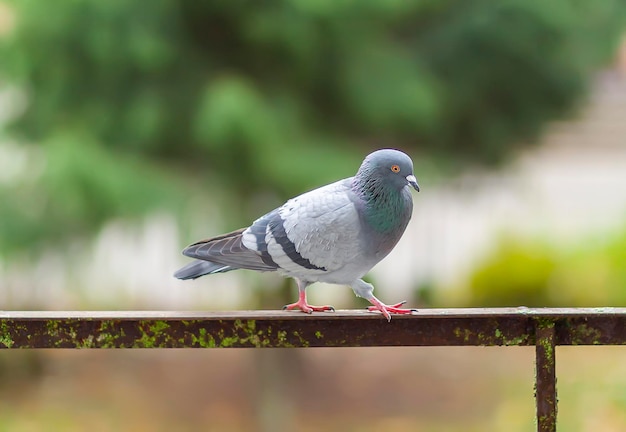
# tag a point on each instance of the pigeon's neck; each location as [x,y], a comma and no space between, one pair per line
[385,207]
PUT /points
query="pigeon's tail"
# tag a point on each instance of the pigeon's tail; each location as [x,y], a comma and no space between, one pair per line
[221,254]
[200,268]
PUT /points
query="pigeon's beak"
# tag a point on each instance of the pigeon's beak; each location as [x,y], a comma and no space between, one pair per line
[413,182]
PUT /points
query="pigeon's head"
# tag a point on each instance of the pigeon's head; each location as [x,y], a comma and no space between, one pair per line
[391,166]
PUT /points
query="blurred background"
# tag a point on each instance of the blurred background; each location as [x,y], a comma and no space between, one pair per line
[129,129]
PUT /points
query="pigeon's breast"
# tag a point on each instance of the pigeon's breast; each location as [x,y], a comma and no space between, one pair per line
[384,221]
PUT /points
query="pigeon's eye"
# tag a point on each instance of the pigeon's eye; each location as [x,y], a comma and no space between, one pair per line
[395,168]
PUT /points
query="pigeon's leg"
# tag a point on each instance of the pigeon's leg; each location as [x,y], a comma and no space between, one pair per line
[302,303]
[366,291]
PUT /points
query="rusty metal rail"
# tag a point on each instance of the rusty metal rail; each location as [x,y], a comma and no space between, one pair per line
[542,328]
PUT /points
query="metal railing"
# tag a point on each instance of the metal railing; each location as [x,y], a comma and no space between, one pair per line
[543,328]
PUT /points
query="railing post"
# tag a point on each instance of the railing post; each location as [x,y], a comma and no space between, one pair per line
[545,378]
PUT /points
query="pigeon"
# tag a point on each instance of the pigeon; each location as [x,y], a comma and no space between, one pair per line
[334,234]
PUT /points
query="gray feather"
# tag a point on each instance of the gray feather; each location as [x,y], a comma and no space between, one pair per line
[226,251]
[199,268]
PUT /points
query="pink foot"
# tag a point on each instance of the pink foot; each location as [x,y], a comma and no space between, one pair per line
[303,305]
[387,310]
[307,308]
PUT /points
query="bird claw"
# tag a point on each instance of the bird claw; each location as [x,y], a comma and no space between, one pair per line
[387,310]
[307,308]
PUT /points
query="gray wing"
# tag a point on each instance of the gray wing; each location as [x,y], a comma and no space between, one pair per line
[310,235]
[314,233]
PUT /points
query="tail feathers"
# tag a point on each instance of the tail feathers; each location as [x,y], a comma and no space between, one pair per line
[228,250]
[199,268]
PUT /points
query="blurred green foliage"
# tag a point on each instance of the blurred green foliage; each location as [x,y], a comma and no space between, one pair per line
[81,186]
[528,273]
[139,105]
[592,274]
[517,274]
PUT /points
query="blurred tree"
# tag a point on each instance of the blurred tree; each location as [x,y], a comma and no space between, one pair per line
[121,95]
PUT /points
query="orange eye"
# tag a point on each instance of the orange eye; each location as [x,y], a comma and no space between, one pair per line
[395,168]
